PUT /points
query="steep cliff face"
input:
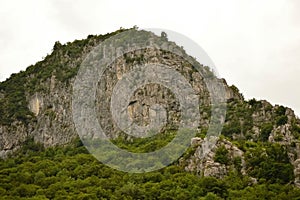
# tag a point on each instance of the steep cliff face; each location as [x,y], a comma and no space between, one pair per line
[50,123]
[45,112]
[37,104]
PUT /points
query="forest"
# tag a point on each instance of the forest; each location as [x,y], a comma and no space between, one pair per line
[70,172]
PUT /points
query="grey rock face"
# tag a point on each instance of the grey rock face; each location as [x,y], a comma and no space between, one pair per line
[52,106]
[207,166]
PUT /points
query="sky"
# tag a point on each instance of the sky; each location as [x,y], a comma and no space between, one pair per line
[254,44]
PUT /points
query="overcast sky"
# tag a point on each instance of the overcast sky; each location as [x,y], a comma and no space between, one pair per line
[254,44]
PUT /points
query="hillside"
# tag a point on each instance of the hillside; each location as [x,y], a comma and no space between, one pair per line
[42,156]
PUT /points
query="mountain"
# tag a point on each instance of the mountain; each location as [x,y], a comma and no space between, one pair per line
[259,143]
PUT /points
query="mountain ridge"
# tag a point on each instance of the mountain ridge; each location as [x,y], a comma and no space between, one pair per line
[36,103]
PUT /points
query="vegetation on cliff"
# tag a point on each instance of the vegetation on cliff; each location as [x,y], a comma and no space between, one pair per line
[63,63]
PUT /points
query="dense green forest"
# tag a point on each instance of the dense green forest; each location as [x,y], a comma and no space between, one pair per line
[70,172]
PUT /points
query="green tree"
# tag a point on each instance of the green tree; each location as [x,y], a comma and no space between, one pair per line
[281,120]
[222,155]
[265,131]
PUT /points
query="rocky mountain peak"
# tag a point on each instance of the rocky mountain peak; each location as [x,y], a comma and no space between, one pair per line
[37,103]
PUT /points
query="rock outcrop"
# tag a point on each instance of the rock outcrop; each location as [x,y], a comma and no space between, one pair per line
[209,164]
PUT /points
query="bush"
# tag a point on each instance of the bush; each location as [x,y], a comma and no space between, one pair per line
[271,163]
[234,127]
[266,129]
[281,120]
[280,110]
[237,161]
[222,156]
